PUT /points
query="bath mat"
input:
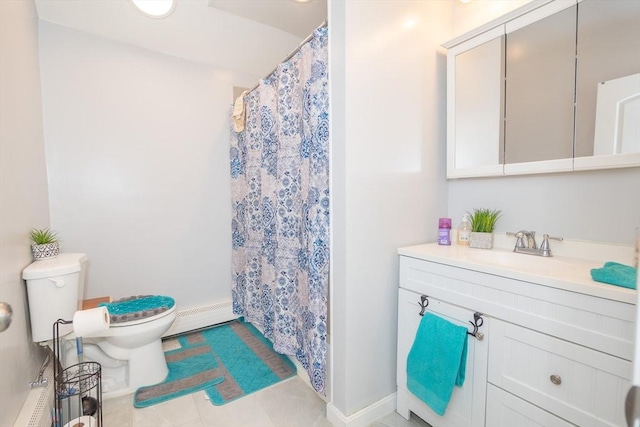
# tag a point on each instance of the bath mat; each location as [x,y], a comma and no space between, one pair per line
[228,361]
[190,370]
[245,358]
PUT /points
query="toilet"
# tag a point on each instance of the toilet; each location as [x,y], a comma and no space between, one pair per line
[130,350]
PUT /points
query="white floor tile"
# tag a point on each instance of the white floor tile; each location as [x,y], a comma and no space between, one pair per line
[244,412]
[118,411]
[170,344]
[172,413]
[290,403]
[396,420]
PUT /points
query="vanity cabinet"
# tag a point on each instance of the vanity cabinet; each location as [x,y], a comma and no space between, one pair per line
[557,355]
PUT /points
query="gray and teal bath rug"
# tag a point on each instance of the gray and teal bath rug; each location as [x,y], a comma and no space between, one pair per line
[227,361]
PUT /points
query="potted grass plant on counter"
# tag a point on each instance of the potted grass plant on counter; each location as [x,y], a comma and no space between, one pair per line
[483,223]
[45,243]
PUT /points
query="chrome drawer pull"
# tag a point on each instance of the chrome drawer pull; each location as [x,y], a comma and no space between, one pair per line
[556,379]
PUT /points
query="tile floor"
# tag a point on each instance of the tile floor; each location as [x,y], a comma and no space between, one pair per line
[290,403]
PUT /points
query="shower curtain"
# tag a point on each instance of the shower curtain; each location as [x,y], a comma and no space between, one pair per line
[280,202]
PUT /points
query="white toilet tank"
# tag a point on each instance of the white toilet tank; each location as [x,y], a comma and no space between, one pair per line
[55,288]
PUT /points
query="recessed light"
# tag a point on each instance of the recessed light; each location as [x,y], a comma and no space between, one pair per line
[155,8]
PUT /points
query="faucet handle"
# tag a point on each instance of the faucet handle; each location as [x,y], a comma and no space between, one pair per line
[544,247]
[519,238]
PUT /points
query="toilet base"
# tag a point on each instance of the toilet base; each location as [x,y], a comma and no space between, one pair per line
[147,365]
[140,367]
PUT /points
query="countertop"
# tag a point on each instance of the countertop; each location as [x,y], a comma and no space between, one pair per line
[561,272]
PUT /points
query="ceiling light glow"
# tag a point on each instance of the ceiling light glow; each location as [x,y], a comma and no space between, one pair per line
[155,8]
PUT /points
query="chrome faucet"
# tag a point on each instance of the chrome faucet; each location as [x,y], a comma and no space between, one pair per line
[531,247]
[520,236]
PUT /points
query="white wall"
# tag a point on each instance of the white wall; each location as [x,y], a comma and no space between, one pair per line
[388,188]
[467,16]
[23,193]
[595,205]
[601,206]
[137,151]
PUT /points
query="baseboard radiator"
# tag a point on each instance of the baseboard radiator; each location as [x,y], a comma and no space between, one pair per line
[37,408]
[201,317]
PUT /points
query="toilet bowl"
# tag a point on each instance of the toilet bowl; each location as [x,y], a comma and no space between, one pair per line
[55,290]
[138,342]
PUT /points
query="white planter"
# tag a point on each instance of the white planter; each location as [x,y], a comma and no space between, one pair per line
[481,240]
[46,251]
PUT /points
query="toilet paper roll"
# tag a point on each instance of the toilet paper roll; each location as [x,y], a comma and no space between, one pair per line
[84,421]
[91,321]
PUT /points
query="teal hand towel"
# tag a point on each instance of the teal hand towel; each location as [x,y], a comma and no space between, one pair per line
[437,361]
[616,274]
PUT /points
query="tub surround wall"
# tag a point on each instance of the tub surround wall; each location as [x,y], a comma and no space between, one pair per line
[23,194]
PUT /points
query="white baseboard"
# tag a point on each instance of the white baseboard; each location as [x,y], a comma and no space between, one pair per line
[201,317]
[363,417]
[36,411]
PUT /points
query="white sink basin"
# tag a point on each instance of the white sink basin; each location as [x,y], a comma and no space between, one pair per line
[545,266]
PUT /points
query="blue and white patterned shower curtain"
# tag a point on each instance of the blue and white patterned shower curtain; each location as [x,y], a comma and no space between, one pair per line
[280,202]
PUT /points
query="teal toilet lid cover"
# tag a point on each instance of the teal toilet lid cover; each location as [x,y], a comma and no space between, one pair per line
[137,307]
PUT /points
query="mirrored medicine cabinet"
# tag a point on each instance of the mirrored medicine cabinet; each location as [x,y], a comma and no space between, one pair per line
[553,86]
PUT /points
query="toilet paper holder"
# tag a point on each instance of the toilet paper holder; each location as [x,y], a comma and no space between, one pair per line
[77,388]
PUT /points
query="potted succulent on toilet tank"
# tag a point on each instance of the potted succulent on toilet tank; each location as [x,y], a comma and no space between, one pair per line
[45,243]
[483,222]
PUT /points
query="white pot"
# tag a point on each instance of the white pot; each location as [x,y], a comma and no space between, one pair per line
[45,251]
[481,240]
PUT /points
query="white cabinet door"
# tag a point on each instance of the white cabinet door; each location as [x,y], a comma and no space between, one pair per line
[467,405]
[475,102]
[506,410]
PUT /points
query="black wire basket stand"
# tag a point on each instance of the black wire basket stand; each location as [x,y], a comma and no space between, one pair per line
[78,388]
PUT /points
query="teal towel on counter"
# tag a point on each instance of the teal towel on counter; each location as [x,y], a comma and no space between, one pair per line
[437,361]
[616,274]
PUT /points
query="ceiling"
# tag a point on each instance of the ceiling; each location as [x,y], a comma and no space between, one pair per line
[225,34]
[291,16]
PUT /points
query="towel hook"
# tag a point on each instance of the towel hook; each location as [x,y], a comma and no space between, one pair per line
[478,321]
[424,303]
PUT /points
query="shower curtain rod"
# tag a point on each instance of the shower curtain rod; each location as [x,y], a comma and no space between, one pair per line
[302,43]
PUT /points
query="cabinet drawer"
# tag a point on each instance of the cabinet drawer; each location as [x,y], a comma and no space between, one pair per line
[581,385]
[506,410]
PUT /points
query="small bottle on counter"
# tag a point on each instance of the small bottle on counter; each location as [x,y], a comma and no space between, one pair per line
[464,231]
[444,231]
